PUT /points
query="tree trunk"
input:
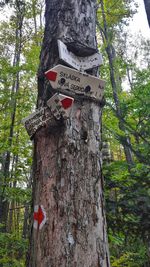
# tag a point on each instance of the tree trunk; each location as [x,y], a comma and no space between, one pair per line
[67,171]
[26,224]
[115,88]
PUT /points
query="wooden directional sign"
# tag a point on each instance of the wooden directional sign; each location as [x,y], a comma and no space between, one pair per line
[39,217]
[66,79]
[36,120]
[79,63]
[60,105]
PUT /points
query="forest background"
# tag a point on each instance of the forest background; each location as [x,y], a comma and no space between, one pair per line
[126,141]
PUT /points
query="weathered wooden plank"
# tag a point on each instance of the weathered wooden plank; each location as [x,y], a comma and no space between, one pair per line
[79,63]
[37,119]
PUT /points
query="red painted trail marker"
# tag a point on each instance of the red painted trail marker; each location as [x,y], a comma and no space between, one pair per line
[60,105]
[66,102]
[66,79]
[39,217]
[51,75]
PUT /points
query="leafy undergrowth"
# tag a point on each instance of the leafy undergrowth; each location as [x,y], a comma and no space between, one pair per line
[12,250]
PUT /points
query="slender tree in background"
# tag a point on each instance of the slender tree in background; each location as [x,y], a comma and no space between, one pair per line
[116,85]
[67,162]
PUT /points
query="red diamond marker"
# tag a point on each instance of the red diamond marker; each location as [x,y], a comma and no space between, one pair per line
[51,75]
[39,217]
[67,103]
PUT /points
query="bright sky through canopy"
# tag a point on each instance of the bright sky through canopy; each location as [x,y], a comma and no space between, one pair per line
[139,21]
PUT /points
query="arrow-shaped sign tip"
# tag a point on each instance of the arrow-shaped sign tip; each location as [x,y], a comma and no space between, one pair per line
[51,75]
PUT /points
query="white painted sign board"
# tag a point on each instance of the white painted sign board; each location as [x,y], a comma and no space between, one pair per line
[60,105]
[36,120]
[79,63]
[67,79]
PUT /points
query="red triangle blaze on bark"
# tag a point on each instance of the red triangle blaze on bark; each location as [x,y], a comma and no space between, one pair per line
[51,75]
[39,216]
[66,103]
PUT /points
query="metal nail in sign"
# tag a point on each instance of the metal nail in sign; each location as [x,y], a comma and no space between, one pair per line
[60,105]
[39,217]
[36,120]
[67,79]
[79,63]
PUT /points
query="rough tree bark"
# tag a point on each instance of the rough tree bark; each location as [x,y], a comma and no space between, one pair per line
[67,161]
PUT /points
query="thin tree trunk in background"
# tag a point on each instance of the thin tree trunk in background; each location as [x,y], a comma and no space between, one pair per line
[110,54]
[67,161]
[41,15]
[25,231]
[11,205]
[34,2]
[12,222]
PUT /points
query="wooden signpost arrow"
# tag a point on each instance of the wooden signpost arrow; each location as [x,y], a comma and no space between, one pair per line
[79,63]
[66,79]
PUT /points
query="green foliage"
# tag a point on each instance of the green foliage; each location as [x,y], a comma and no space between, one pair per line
[127,192]
[19,49]
[129,259]
[126,187]
[130,253]
[12,250]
